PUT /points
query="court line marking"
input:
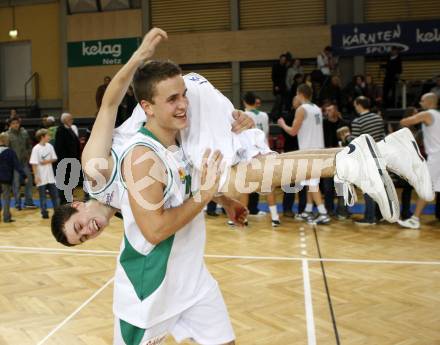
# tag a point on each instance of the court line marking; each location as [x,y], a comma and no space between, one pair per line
[217,256]
[69,250]
[76,311]
[56,253]
[310,320]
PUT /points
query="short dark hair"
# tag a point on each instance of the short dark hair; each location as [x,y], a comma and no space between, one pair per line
[60,216]
[328,49]
[149,75]
[305,90]
[363,101]
[250,98]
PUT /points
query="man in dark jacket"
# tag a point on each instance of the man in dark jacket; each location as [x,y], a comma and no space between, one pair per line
[279,71]
[8,163]
[67,145]
[101,90]
[20,143]
[393,70]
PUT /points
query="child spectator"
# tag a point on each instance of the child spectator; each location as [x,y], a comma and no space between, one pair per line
[42,157]
[8,163]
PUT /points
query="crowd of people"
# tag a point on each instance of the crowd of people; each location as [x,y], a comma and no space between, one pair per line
[310,108]
[333,111]
[325,80]
[32,159]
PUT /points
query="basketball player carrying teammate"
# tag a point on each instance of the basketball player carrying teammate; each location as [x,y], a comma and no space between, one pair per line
[162,284]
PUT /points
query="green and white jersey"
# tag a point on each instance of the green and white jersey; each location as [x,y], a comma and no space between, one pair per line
[109,193]
[156,282]
[261,120]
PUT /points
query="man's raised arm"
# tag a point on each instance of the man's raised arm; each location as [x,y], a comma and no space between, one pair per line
[100,142]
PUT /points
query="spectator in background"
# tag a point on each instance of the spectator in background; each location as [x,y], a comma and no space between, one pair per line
[67,145]
[326,62]
[292,73]
[333,121]
[126,107]
[20,142]
[436,88]
[44,121]
[372,124]
[307,125]
[359,88]
[393,70]
[429,118]
[372,91]
[8,165]
[261,120]
[279,71]
[42,157]
[297,80]
[333,93]
[67,119]
[12,114]
[291,144]
[100,91]
[308,79]
[258,102]
[51,129]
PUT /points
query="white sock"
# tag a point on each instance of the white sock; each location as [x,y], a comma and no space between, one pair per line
[321,209]
[274,212]
[309,208]
[415,218]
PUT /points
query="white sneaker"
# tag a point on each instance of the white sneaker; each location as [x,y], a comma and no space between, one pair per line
[322,219]
[402,157]
[411,223]
[259,214]
[361,164]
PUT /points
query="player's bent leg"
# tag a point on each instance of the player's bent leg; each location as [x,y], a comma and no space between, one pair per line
[127,334]
[402,156]
[263,173]
[207,322]
[361,164]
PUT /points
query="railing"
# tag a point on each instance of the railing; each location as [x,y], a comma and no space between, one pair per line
[34,77]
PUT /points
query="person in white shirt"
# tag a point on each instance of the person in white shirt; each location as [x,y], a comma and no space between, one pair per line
[430,120]
[307,125]
[261,120]
[42,157]
[292,71]
[326,62]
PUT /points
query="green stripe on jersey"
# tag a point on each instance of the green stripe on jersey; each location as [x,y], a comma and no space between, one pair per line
[146,272]
[132,335]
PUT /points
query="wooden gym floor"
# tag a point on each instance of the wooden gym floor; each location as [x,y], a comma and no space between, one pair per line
[299,284]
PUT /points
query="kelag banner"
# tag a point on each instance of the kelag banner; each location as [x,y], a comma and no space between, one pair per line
[418,37]
[102,52]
